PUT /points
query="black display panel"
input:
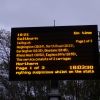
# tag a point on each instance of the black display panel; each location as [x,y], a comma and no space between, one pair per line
[60,52]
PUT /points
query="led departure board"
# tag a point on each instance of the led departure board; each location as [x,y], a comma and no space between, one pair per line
[60,52]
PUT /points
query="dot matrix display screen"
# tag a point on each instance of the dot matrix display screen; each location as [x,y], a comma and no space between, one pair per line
[60,52]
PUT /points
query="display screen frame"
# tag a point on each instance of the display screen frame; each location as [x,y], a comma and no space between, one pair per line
[57,32]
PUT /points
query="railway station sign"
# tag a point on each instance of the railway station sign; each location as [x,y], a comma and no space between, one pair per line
[60,52]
